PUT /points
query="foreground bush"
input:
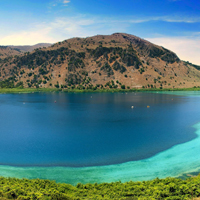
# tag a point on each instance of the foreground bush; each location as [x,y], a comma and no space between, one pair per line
[168,188]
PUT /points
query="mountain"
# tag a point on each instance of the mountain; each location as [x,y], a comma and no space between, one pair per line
[104,61]
[6,51]
[29,48]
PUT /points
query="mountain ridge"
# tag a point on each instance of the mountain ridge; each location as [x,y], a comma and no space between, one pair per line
[119,60]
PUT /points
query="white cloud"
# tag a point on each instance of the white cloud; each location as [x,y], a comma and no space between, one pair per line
[187,49]
[28,37]
[66,1]
[83,26]
[58,30]
[173,19]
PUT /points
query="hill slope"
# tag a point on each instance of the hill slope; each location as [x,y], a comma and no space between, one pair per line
[7,51]
[112,61]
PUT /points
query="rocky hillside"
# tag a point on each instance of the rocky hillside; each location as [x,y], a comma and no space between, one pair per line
[103,61]
[7,51]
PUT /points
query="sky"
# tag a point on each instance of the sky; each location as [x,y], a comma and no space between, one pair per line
[173,24]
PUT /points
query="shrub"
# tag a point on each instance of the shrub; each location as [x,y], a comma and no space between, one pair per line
[123,87]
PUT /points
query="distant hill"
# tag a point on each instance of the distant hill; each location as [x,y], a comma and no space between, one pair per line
[11,50]
[6,51]
[29,48]
[104,61]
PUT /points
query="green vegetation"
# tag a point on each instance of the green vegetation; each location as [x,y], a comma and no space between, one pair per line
[195,66]
[123,87]
[118,67]
[164,54]
[73,79]
[74,63]
[106,68]
[141,70]
[168,189]
[128,56]
[7,83]
[28,90]
[92,89]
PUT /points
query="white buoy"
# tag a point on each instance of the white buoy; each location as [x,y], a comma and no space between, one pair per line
[132,107]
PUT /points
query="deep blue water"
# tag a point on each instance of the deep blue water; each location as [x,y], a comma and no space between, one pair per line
[92,129]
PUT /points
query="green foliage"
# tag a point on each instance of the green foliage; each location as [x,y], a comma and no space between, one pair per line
[85,73]
[168,188]
[123,87]
[112,59]
[22,72]
[195,66]
[155,52]
[73,79]
[128,55]
[170,57]
[41,57]
[30,74]
[141,70]
[19,84]
[74,63]
[81,55]
[57,85]
[7,83]
[118,67]
[42,71]
[100,51]
[106,68]
[130,59]
[164,54]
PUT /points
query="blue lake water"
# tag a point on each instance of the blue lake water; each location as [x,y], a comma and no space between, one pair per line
[98,137]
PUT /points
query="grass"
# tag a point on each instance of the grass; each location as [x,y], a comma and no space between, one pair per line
[31,90]
[27,90]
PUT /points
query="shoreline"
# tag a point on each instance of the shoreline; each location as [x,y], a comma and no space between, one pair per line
[33,90]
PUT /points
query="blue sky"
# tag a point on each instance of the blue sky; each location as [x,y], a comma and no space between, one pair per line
[174,24]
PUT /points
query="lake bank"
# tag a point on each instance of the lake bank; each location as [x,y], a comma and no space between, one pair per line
[30,90]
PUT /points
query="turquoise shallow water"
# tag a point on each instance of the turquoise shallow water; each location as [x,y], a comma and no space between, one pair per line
[180,93]
[174,161]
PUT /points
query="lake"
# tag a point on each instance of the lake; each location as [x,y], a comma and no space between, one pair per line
[99,137]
